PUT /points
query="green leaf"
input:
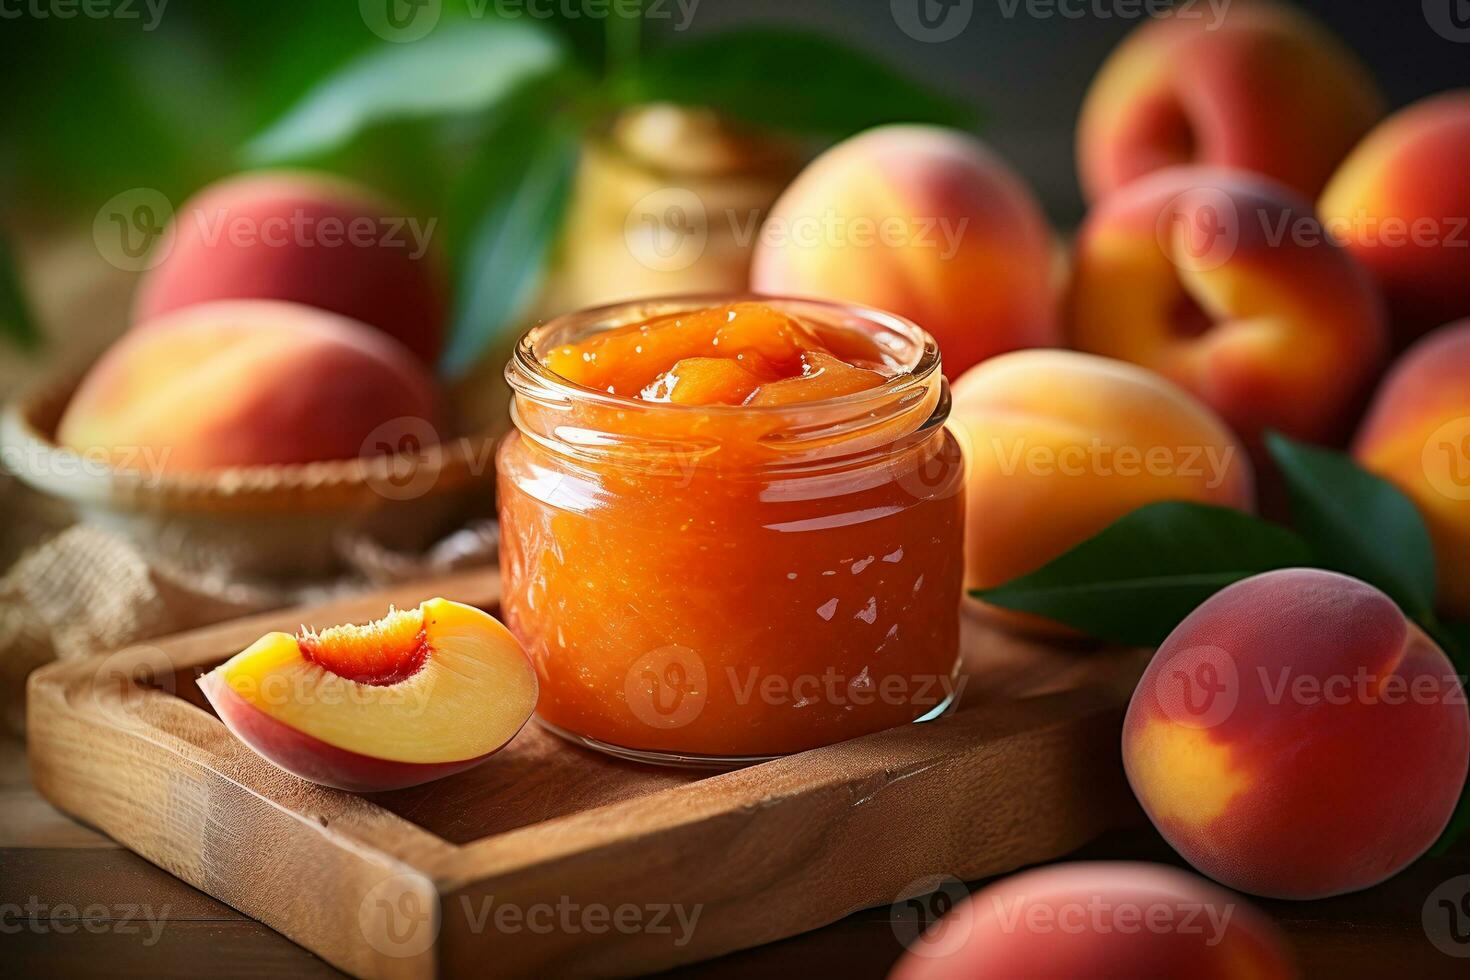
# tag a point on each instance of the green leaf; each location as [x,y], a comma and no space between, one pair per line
[789,80]
[525,178]
[1135,580]
[16,322]
[1358,523]
[461,67]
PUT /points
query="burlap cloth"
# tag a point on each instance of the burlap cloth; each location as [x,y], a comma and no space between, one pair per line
[78,590]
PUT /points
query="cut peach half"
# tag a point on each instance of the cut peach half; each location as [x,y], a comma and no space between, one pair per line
[418,695]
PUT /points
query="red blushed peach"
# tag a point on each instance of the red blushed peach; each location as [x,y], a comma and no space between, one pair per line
[246,383]
[1227,284]
[1255,86]
[1099,921]
[1296,737]
[924,222]
[304,238]
[415,696]
[1059,444]
[1401,202]
[1417,436]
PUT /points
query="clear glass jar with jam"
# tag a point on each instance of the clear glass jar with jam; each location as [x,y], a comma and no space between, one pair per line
[731,527]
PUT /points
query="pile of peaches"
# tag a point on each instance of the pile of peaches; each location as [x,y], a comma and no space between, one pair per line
[1266,250]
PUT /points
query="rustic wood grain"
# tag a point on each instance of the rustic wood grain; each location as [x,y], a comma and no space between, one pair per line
[403,884]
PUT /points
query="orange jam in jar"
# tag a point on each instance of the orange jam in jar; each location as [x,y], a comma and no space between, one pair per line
[731,529]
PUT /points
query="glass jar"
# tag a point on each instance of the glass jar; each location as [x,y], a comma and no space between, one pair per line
[720,584]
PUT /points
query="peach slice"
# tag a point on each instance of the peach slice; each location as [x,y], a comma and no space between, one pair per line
[823,376]
[703,381]
[418,695]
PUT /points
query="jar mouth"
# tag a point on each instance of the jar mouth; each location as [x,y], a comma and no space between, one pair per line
[915,353]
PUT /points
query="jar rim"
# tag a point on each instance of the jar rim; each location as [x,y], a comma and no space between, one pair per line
[529,376]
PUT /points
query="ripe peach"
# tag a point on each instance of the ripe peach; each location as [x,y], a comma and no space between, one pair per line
[1401,203]
[1258,87]
[305,238]
[1226,283]
[245,383]
[1417,436]
[1097,920]
[418,695]
[1297,737]
[925,222]
[1061,444]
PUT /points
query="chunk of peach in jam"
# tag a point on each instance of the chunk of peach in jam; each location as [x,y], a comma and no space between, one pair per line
[737,354]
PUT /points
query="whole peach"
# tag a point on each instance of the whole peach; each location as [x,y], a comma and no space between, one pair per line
[1256,86]
[245,383]
[1226,283]
[304,238]
[1417,436]
[1297,737]
[1401,203]
[927,223]
[1059,444]
[1098,920]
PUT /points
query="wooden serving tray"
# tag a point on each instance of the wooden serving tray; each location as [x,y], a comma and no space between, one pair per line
[583,850]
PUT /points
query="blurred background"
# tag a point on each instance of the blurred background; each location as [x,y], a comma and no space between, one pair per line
[112,96]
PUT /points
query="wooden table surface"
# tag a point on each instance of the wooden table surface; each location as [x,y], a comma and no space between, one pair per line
[75,904]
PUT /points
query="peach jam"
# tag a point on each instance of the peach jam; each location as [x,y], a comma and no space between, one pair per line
[731,529]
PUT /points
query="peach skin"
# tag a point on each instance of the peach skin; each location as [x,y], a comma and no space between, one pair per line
[245,383]
[1226,283]
[1417,436]
[418,695]
[1059,444]
[1257,86]
[1401,203]
[924,222]
[304,238]
[1100,920]
[1297,737]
